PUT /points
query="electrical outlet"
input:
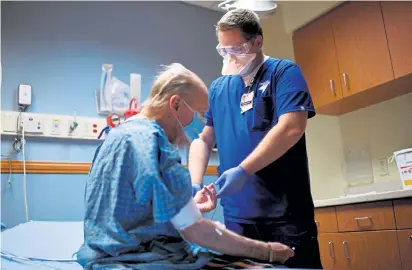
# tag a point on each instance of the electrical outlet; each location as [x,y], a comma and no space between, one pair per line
[383,168]
[9,122]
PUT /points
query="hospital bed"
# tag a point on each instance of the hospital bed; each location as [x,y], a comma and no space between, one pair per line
[43,245]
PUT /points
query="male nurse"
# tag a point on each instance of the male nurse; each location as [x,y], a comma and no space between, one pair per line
[257,115]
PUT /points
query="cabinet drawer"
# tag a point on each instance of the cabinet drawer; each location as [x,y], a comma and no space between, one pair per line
[403,213]
[325,219]
[366,217]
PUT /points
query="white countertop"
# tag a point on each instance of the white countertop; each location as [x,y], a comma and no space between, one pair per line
[361,198]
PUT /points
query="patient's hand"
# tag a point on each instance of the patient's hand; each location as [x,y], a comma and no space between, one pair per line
[205,199]
[281,252]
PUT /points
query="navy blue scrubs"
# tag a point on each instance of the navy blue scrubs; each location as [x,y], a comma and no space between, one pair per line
[276,203]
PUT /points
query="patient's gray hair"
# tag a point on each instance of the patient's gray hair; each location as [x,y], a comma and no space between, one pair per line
[175,79]
[244,20]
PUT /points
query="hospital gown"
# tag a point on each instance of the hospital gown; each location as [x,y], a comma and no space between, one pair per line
[136,185]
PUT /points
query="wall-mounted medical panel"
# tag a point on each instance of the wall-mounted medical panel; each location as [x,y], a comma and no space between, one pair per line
[50,125]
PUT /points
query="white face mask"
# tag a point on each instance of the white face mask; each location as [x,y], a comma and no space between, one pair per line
[237,65]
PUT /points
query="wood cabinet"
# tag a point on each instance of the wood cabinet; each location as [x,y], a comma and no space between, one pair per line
[314,49]
[352,56]
[397,16]
[376,250]
[366,217]
[405,248]
[377,245]
[330,247]
[360,250]
[326,221]
[403,213]
[361,46]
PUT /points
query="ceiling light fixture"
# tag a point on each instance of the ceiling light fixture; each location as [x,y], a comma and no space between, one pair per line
[262,8]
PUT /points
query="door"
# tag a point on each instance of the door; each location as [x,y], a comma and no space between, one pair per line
[376,250]
[331,251]
[405,248]
[361,46]
[397,16]
[315,53]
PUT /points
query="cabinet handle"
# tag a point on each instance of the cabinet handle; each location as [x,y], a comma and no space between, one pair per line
[345,80]
[317,223]
[410,238]
[346,250]
[331,250]
[362,218]
[332,87]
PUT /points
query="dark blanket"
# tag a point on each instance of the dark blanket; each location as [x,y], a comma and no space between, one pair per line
[226,262]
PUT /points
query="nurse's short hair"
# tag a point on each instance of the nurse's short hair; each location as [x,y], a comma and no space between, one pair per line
[175,79]
[245,20]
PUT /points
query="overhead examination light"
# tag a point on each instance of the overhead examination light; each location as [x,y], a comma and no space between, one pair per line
[262,8]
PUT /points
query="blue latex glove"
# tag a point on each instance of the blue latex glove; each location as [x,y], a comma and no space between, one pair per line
[196,188]
[231,181]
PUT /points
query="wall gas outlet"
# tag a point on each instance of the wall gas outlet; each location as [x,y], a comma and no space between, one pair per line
[75,132]
[91,129]
[32,124]
[56,126]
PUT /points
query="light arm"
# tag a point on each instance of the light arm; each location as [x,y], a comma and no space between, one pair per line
[199,154]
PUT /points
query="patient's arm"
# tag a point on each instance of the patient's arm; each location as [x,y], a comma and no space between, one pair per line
[206,199]
[209,234]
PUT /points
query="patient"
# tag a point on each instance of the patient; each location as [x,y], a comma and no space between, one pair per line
[140,211]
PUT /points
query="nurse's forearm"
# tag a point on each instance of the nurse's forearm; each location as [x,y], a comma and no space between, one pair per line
[208,234]
[198,160]
[277,142]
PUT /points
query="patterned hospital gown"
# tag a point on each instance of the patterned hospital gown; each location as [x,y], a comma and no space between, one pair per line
[136,185]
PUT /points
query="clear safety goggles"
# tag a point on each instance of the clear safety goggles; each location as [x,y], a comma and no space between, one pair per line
[233,50]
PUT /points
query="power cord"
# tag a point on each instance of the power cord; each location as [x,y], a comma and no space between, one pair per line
[17,144]
[25,178]
[17,147]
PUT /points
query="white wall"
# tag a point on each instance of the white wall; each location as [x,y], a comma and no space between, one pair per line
[386,127]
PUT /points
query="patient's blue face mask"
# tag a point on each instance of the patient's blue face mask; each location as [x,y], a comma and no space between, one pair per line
[195,127]
[193,130]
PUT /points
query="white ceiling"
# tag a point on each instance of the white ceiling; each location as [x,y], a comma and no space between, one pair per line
[294,14]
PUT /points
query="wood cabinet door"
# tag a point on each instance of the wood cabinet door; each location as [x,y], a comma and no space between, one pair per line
[325,219]
[405,248]
[397,16]
[371,251]
[361,46]
[331,252]
[403,213]
[315,54]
